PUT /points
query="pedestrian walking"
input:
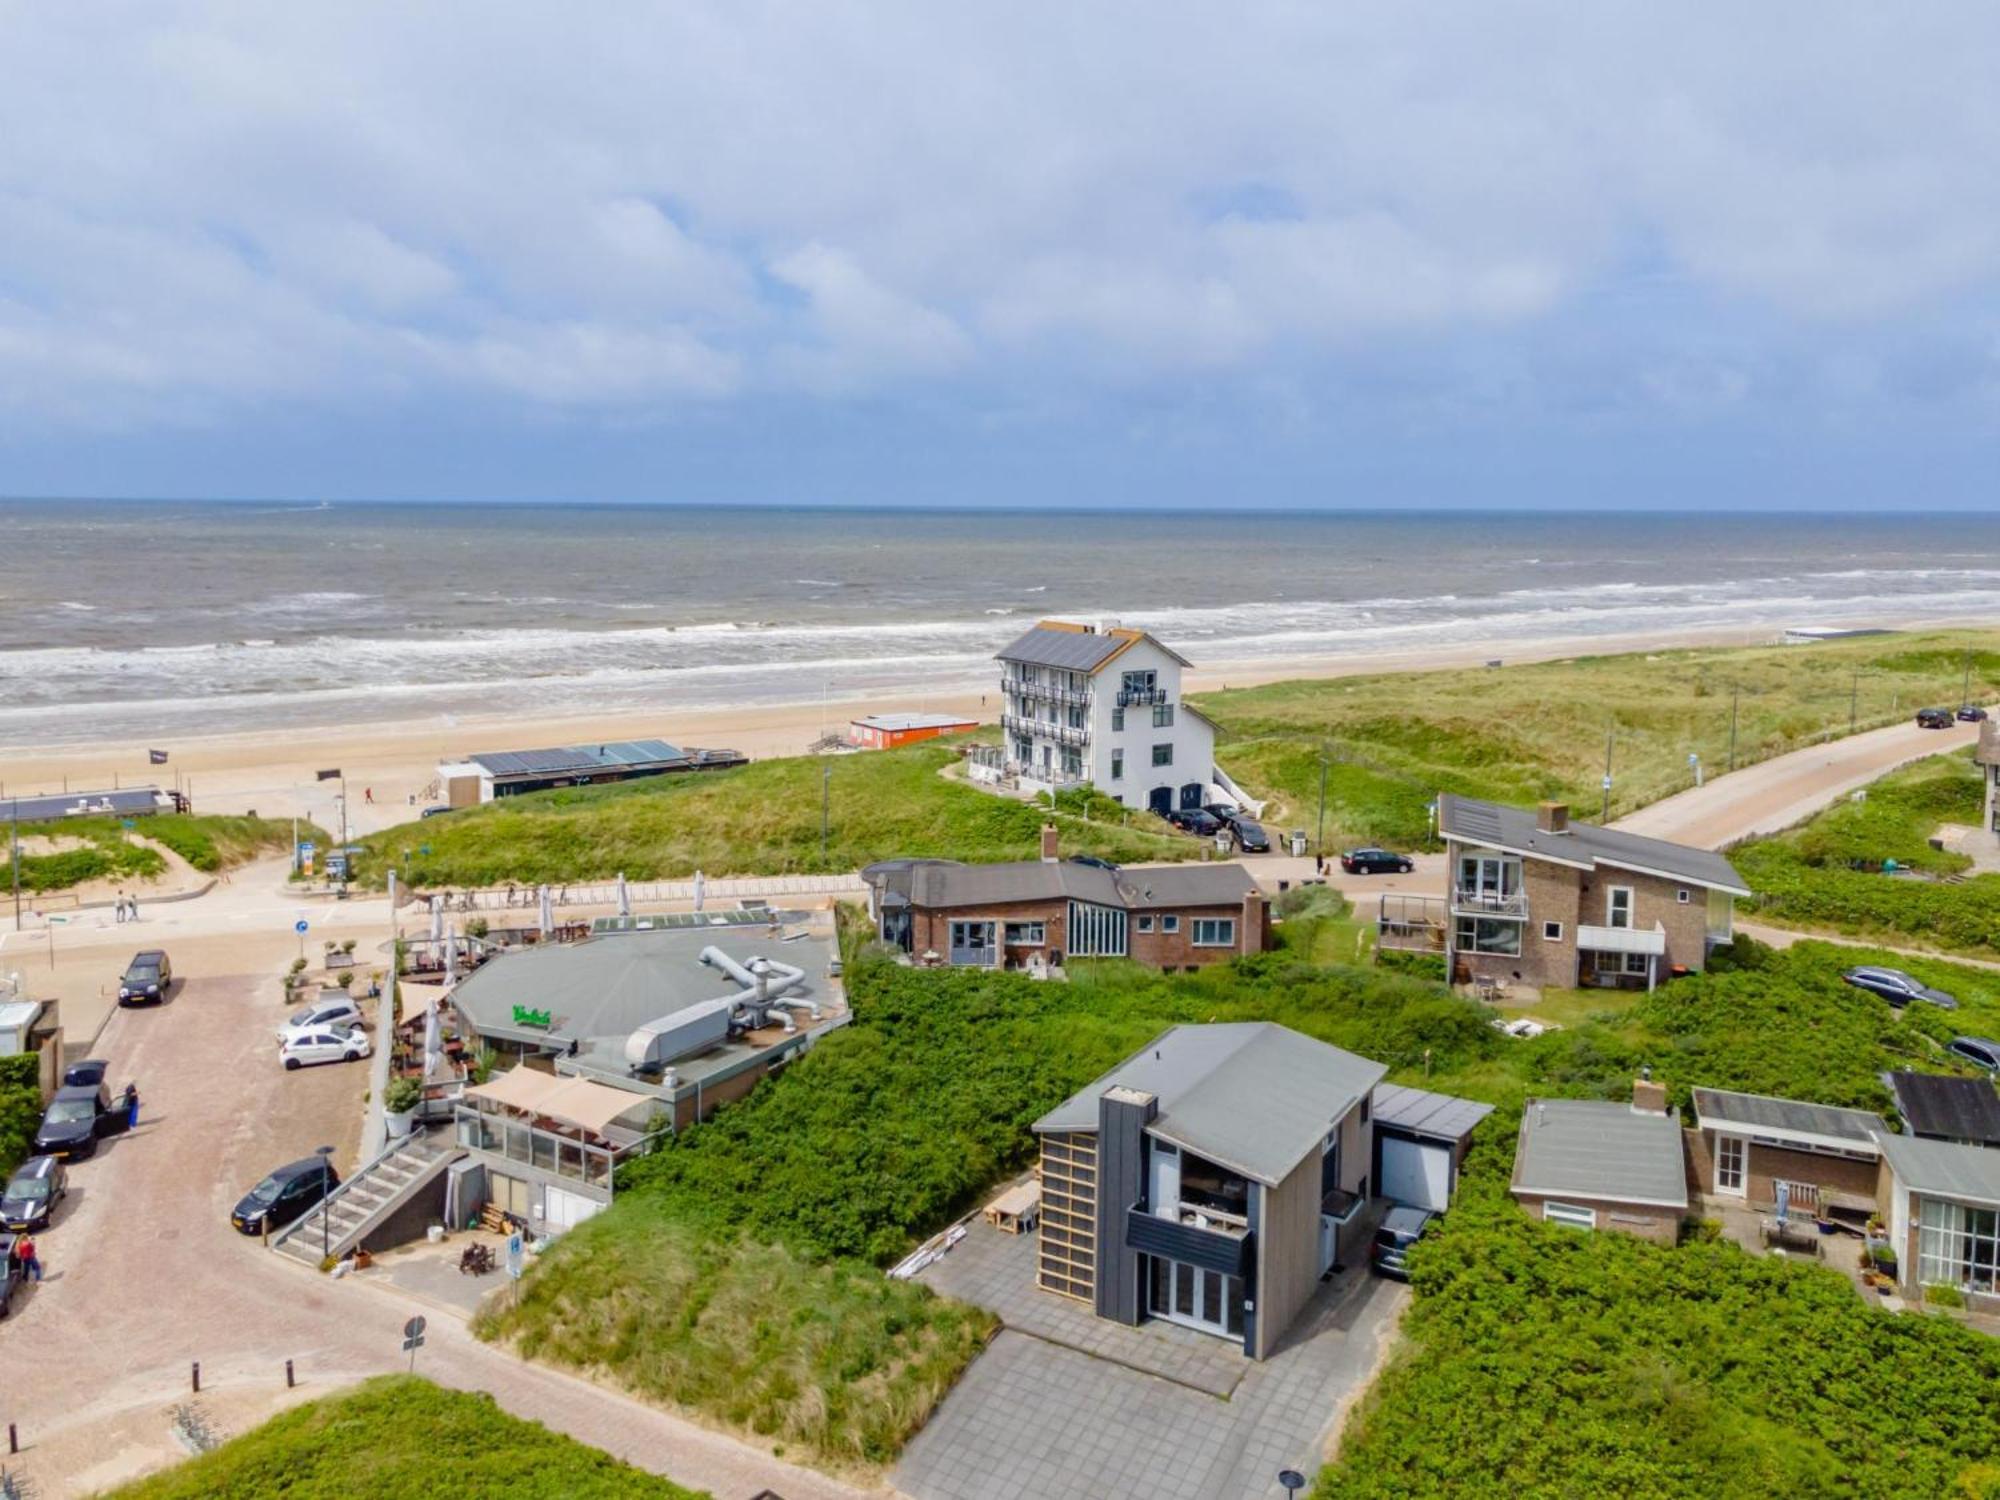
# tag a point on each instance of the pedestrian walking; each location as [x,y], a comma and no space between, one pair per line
[24,1251]
[131,1105]
[119,906]
[368,794]
[131,908]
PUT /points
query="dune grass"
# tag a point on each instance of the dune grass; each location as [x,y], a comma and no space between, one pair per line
[399,1437]
[108,850]
[1522,733]
[763,819]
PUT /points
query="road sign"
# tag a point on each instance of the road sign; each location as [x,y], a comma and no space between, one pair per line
[414,1329]
[514,1255]
[127,823]
[413,1344]
[306,846]
[301,926]
[354,849]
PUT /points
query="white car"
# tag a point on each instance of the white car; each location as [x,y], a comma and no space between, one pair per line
[323,1044]
[340,1012]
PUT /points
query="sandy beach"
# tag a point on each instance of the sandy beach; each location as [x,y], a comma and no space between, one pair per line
[389,767]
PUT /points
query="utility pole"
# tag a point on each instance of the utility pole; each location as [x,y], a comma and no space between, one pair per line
[1965,687]
[1319,846]
[1608,734]
[826,804]
[14,857]
[1734,694]
[343,837]
[1853,700]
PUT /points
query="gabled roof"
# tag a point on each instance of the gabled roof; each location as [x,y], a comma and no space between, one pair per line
[1953,1109]
[1249,1095]
[1423,1113]
[940,884]
[1583,846]
[1600,1150]
[1944,1169]
[1788,1119]
[1071,647]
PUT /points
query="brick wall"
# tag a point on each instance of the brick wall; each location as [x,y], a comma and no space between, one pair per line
[1661,1225]
[931,930]
[1654,900]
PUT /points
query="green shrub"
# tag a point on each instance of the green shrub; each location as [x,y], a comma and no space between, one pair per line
[1417,965]
[402,1095]
[1942,1294]
[20,1107]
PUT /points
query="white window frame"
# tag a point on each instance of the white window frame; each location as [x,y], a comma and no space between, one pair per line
[1117,765]
[1030,934]
[1725,1168]
[1117,720]
[1572,1215]
[1552,932]
[1946,1235]
[1221,932]
[1163,716]
[1145,924]
[1170,922]
[1682,896]
[1611,896]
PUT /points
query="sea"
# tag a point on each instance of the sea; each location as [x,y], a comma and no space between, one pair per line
[154,620]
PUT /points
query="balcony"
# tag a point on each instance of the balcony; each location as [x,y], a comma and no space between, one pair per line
[1649,941]
[1221,1246]
[590,1163]
[1411,924]
[1141,697]
[1488,903]
[1030,729]
[1049,693]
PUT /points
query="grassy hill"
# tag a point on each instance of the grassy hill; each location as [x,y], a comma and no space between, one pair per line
[103,848]
[761,819]
[399,1437]
[1522,733]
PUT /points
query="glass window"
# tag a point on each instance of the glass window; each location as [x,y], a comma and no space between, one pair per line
[1618,907]
[1570,1214]
[1552,931]
[1163,755]
[1025,934]
[1214,932]
[1145,924]
[1117,765]
[1163,715]
[1958,1246]
[1489,935]
[1170,923]
[1117,718]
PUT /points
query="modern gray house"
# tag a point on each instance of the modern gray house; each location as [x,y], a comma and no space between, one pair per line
[1211,1180]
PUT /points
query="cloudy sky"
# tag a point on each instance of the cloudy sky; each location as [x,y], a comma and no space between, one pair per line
[1112,254]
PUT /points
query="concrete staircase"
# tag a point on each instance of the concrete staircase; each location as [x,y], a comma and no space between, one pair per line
[367,1198]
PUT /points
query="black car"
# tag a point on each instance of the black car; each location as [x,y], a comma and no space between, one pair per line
[1970,713]
[1250,837]
[434,811]
[1196,820]
[1934,718]
[1401,1228]
[1981,1052]
[147,978]
[87,1074]
[284,1195]
[1093,861]
[1372,861]
[76,1119]
[1898,988]
[33,1192]
[10,1274]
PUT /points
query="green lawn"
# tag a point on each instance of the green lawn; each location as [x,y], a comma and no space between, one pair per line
[1828,872]
[398,1437]
[761,819]
[1523,733]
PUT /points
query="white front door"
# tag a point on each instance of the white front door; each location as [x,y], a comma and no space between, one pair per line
[1730,1151]
[1329,1242]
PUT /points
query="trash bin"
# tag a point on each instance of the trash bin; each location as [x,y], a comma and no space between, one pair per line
[1298,839]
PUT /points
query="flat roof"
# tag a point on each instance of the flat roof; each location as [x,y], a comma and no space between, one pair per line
[1423,1113]
[893,722]
[940,883]
[1850,1129]
[1251,1095]
[564,760]
[53,807]
[1944,1169]
[1602,1150]
[1942,1104]
[1470,820]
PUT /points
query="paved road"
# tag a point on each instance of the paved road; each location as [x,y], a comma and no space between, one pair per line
[1775,794]
[146,1275]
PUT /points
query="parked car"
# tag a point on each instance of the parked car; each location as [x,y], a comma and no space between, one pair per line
[1934,718]
[37,1186]
[1373,861]
[76,1119]
[342,1011]
[433,811]
[87,1074]
[1093,861]
[147,978]
[1224,813]
[322,1044]
[1196,820]
[1981,1052]
[10,1274]
[1896,987]
[1401,1228]
[1250,837]
[284,1195]
[1970,713]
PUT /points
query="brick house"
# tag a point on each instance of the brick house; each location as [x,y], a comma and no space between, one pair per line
[1942,1206]
[1037,914]
[1599,1164]
[1828,1159]
[1537,898]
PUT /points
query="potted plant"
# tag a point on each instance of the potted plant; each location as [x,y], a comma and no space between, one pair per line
[399,1106]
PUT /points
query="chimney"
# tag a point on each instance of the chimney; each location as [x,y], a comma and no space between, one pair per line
[1253,923]
[1648,1097]
[1048,843]
[1553,817]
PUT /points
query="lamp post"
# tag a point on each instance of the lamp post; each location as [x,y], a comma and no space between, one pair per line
[1292,1480]
[325,1155]
[1319,844]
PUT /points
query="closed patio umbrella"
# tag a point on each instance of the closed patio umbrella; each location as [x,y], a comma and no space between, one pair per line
[437,919]
[451,955]
[548,913]
[1784,1200]
[699,882]
[624,897]
[433,1043]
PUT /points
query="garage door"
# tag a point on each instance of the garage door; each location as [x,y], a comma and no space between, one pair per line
[565,1210]
[1416,1173]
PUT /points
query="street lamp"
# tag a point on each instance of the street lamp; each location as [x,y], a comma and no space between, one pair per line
[325,1155]
[1292,1480]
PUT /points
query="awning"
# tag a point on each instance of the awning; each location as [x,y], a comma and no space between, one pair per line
[574,1101]
[412,1000]
[1651,940]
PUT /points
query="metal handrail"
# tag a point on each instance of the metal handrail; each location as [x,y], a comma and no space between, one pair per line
[1515,905]
[360,1174]
[1141,697]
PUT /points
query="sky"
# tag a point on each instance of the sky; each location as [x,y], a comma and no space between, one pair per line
[1153,255]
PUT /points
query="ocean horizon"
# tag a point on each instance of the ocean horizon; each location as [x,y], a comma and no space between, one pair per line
[157,618]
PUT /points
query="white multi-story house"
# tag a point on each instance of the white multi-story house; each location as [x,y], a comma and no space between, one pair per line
[1087,707]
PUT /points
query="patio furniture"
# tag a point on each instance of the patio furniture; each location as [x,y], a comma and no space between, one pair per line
[1017,1209]
[1788,1234]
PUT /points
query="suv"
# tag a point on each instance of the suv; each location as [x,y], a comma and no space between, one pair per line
[1970,713]
[1401,1228]
[1981,1052]
[1372,861]
[1898,988]
[1196,820]
[326,1011]
[1250,836]
[147,978]
[76,1118]
[1934,718]
[284,1195]
[33,1192]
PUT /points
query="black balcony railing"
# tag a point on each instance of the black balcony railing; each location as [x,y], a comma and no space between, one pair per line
[1141,697]
[1062,734]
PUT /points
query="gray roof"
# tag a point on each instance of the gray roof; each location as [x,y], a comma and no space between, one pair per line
[1602,1150]
[1850,1127]
[1958,1109]
[1250,1095]
[1070,650]
[607,986]
[938,883]
[1944,1169]
[1470,820]
[563,760]
[1424,1113]
[129,802]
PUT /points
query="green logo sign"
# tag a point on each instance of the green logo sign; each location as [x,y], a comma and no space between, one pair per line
[525,1016]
